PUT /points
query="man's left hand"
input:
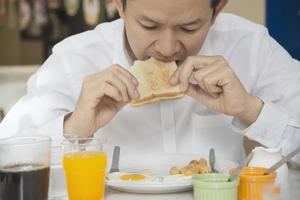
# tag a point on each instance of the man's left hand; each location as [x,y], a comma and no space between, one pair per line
[217,87]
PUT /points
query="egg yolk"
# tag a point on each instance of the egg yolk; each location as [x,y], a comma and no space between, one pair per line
[133,177]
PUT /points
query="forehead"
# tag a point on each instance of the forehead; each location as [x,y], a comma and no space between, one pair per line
[169,9]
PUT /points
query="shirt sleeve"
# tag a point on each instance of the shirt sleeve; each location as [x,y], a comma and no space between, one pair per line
[278,85]
[50,96]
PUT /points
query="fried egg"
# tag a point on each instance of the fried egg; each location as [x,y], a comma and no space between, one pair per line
[133,177]
[143,178]
[122,176]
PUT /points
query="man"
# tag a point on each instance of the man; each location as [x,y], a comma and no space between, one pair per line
[242,83]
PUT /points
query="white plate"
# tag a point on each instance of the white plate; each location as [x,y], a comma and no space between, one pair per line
[159,165]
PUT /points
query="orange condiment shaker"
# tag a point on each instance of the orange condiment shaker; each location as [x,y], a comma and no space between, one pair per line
[252,183]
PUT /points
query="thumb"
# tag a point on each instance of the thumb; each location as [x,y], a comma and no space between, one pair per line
[175,77]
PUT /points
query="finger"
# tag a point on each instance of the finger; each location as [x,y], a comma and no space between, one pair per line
[207,80]
[207,60]
[130,81]
[210,88]
[175,77]
[130,76]
[131,87]
[110,91]
[197,93]
[115,81]
[191,64]
[185,72]
[202,72]
[216,81]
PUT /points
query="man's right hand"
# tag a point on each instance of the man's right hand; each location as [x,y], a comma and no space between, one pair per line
[102,96]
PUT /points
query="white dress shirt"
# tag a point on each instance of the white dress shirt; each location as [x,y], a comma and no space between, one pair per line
[178,126]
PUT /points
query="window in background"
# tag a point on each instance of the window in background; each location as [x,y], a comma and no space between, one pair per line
[30,28]
[283,21]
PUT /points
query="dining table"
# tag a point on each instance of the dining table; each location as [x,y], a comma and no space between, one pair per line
[289,191]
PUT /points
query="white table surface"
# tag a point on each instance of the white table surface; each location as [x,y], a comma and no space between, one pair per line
[291,192]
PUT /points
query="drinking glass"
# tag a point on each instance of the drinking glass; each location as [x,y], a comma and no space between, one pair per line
[24,167]
[57,185]
[84,165]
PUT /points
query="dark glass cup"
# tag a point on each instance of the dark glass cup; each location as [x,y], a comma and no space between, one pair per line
[24,168]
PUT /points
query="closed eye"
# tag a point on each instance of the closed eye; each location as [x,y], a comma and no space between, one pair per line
[148,27]
[188,30]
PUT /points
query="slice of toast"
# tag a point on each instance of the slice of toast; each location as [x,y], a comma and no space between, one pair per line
[154,77]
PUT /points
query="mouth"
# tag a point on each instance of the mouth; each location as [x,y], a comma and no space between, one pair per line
[166,60]
[178,62]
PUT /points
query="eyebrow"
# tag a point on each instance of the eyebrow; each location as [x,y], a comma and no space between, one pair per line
[196,21]
[144,17]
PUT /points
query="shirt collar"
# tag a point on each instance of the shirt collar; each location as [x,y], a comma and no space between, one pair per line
[206,49]
[120,55]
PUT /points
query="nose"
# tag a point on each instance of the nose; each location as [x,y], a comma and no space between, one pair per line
[168,45]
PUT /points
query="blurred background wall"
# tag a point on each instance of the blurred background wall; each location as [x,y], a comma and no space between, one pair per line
[20,47]
[24,41]
[253,9]
[15,50]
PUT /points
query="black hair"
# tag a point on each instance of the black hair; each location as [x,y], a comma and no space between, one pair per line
[214,3]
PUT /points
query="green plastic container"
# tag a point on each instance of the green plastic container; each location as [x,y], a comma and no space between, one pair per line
[214,187]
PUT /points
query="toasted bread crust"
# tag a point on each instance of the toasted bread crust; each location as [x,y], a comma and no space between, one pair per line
[154,85]
[156,99]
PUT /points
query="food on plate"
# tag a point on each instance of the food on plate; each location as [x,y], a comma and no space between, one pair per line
[124,176]
[132,177]
[137,178]
[174,170]
[194,167]
[154,81]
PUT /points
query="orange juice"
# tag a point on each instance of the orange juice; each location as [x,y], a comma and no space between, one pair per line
[85,175]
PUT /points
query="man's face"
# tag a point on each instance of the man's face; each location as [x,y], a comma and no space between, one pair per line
[167,30]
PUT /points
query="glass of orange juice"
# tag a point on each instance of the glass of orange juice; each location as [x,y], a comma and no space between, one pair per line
[84,165]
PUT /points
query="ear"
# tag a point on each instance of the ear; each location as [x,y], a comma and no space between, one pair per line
[120,8]
[219,8]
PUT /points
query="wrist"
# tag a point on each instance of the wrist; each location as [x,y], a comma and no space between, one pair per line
[68,126]
[253,107]
[72,127]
